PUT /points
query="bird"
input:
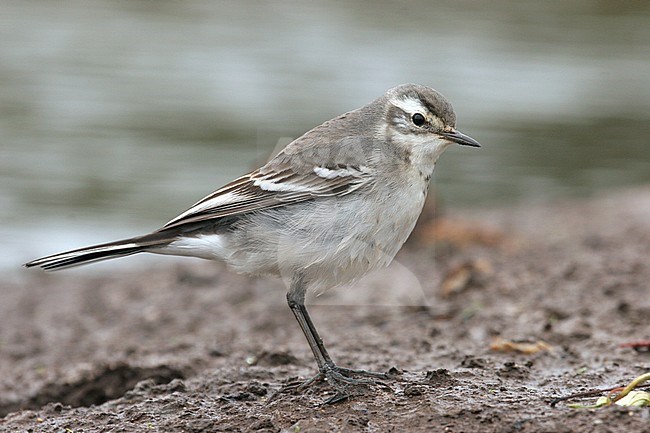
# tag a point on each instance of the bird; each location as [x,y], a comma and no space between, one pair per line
[334,204]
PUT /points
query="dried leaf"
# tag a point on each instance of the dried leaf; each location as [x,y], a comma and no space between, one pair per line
[627,397]
[461,276]
[501,345]
[460,234]
[635,398]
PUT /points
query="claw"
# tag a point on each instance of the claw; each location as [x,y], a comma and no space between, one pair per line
[342,382]
[337,398]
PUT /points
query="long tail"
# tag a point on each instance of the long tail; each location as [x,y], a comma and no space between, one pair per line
[96,253]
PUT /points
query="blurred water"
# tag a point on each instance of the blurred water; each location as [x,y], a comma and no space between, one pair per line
[116,116]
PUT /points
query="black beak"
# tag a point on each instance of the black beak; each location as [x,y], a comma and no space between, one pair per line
[460,138]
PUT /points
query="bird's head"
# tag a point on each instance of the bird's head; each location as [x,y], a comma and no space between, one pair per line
[421,122]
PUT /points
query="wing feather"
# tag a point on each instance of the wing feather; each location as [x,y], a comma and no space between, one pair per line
[266,189]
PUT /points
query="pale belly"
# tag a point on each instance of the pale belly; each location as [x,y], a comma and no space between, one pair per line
[332,241]
[329,241]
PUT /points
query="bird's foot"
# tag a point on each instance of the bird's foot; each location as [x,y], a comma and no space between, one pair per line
[343,381]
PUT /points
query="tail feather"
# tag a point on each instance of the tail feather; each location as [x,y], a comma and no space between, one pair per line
[96,253]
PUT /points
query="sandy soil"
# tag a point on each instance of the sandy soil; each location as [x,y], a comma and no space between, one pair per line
[192,347]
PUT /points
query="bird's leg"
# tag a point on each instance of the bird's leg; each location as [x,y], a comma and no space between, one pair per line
[328,371]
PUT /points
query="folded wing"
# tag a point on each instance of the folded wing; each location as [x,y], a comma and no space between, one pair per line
[269,188]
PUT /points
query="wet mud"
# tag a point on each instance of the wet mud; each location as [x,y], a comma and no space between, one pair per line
[189,346]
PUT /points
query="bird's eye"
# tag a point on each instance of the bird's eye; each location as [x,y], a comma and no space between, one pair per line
[418,119]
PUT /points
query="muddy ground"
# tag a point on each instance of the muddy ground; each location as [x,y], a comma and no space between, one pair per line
[188,346]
